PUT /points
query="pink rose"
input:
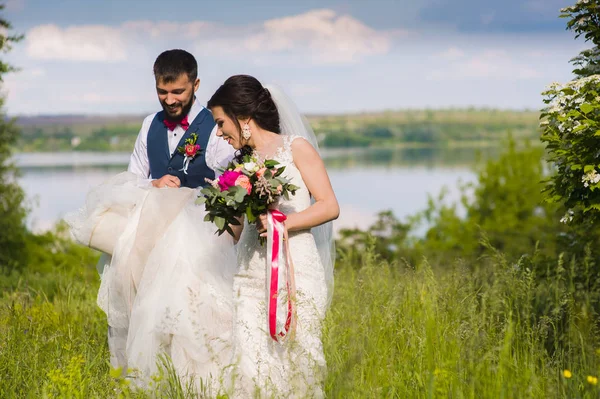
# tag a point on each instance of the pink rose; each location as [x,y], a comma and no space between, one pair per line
[227,179]
[261,172]
[244,181]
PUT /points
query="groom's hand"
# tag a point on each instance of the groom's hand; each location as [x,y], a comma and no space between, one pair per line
[168,181]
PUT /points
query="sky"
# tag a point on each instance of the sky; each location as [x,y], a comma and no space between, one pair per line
[331,56]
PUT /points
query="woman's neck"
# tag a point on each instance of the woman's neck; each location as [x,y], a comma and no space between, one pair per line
[263,141]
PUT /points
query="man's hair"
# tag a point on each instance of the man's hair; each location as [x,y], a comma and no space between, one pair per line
[171,64]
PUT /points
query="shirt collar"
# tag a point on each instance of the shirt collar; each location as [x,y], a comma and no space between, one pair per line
[195,110]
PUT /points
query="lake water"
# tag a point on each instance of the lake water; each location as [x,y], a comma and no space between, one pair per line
[365,181]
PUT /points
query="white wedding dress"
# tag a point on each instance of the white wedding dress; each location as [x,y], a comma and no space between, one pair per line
[263,367]
[173,287]
[167,289]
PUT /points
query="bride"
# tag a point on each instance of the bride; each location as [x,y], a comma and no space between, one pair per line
[273,129]
[173,287]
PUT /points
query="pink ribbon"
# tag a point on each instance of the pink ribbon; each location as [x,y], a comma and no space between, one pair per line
[276,236]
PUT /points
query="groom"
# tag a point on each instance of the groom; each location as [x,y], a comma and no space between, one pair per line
[157,154]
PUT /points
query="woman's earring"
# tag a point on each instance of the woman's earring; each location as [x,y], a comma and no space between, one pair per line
[246,133]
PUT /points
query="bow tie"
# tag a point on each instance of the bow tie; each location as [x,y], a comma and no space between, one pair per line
[172,125]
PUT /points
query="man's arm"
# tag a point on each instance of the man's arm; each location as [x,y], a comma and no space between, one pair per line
[138,162]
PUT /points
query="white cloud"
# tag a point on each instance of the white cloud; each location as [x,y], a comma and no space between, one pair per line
[77,43]
[166,29]
[314,37]
[326,36]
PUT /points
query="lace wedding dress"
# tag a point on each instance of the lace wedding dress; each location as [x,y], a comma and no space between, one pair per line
[263,367]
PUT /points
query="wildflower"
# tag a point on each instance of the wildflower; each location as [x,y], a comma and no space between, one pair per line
[568,218]
[592,380]
[590,178]
[567,374]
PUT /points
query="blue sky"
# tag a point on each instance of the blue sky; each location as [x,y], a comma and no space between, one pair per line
[332,56]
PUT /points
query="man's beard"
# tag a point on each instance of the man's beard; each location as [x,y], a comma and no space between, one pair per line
[185,109]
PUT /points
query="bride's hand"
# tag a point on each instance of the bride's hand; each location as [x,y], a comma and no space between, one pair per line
[261,225]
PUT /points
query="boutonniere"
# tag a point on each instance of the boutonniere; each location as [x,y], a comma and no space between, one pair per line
[189,151]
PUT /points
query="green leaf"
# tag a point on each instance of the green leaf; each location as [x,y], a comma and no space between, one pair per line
[240,194]
[219,222]
[581,127]
[200,200]
[586,108]
[575,167]
[250,215]
[588,168]
[229,230]
[593,206]
[117,372]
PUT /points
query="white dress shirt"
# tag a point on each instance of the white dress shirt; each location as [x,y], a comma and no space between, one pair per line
[218,151]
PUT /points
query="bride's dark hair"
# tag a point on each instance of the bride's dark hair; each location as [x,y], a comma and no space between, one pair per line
[243,96]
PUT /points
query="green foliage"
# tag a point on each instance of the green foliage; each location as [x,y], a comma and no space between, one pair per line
[571,124]
[423,128]
[505,205]
[571,131]
[12,210]
[584,19]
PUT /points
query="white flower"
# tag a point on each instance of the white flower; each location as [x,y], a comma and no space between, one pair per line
[568,217]
[590,178]
[250,166]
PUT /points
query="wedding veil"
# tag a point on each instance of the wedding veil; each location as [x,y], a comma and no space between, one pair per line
[292,122]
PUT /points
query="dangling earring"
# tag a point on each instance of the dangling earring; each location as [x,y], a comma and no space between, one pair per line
[246,133]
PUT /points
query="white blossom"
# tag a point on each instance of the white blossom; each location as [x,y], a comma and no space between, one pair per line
[590,178]
[250,166]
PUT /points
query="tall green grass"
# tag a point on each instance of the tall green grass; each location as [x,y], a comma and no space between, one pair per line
[397,331]
[393,331]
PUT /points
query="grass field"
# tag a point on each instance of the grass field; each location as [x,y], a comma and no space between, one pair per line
[393,331]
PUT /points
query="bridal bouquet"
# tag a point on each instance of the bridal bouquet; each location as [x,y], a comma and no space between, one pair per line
[247,188]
